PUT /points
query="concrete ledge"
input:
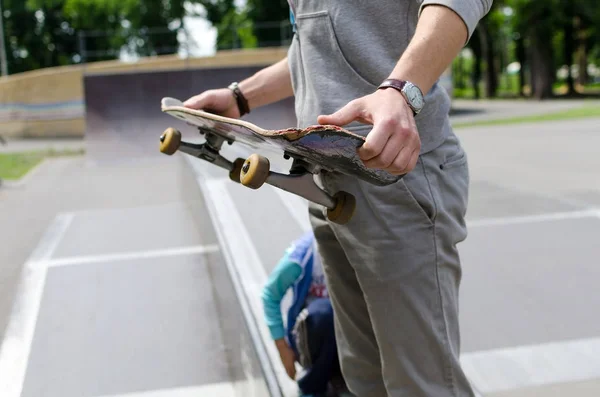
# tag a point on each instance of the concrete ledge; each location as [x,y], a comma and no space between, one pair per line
[55,87]
[223,59]
[247,351]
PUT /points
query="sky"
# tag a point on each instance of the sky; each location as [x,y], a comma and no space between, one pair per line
[201,34]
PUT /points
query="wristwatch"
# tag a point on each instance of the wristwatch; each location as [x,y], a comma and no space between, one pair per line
[242,103]
[411,93]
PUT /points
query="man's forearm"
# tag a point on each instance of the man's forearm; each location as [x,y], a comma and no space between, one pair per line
[268,85]
[439,36]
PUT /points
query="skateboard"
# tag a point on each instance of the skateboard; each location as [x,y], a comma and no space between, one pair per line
[314,149]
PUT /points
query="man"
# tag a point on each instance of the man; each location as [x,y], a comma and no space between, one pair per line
[309,337]
[393,272]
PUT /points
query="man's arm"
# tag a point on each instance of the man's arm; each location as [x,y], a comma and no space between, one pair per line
[266,86]
[440,35]
[394,144]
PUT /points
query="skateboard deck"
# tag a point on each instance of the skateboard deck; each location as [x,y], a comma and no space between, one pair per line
[331,148]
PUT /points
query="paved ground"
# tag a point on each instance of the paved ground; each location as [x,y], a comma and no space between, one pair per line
[30,145]
[529,288]
[121,290]
[123,293]
[465,110]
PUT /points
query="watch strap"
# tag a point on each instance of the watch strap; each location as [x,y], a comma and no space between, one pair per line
[242,103]
[399,86]
[393,83]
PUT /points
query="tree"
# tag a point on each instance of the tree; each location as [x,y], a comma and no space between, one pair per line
[537,23]
[258,24]
[267,16]
[44,33]
[21,38]
[234,26]
[568,9]
[483,43]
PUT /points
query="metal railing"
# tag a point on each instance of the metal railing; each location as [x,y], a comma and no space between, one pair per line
[128,44]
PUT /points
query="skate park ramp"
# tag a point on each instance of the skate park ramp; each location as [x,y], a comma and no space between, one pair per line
[123,116]
[123,125]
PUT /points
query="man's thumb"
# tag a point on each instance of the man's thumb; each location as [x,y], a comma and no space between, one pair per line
[201,101]
[344,116]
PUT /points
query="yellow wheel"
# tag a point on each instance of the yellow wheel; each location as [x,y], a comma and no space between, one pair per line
[345,203]
[169,141]
[255,171]
[234,174]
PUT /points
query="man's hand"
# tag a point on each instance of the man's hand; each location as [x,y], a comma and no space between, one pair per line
[394,143]
[266,86]
[221,102]
[288,357]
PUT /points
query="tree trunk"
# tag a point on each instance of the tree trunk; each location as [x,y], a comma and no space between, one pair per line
[542,76]
[460,82]
[476,46]
[521,58]
[581,52]
[491,78]
[476,76]
[569,48]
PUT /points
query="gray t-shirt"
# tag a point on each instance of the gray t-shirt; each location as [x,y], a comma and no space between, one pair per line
[343,50]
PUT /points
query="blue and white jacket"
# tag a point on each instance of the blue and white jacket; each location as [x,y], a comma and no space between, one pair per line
[301,270]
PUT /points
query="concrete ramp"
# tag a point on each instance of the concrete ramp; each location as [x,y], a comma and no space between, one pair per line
[123,116]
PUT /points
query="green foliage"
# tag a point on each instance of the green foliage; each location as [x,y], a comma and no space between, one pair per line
[236,31]
[551,33]
[14,166]
[43,33]
[542,35]
[267,16]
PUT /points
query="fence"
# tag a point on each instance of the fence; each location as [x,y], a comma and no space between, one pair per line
[187,42]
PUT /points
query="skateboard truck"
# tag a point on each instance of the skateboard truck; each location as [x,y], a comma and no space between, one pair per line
[255,171]
[170,142]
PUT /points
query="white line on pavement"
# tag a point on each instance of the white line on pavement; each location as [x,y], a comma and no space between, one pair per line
[553,216]
[89,259]
[18,338]
[533,365]
[224,389]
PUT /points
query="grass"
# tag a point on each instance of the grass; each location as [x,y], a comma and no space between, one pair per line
[508,87]
[575,113]
[14,166]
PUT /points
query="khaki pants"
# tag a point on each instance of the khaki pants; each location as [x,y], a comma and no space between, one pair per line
[393,275]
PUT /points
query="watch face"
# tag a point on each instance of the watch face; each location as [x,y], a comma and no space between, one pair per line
[415,97]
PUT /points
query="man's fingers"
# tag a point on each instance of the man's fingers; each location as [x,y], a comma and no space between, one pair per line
[402,162]
[405,162]
[391,146]
[388,153]
[412,162]
[201,101]
[352,111]
[378,138]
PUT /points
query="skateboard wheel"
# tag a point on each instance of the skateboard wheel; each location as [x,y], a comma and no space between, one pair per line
[170,141]
[255,171]
[345,204]
[234,174]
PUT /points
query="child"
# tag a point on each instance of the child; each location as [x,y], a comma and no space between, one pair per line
[309,337]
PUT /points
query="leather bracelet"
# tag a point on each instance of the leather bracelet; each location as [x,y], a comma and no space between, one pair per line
[393,83]
[242,103]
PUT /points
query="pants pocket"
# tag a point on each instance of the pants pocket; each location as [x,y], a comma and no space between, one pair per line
[418,191]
